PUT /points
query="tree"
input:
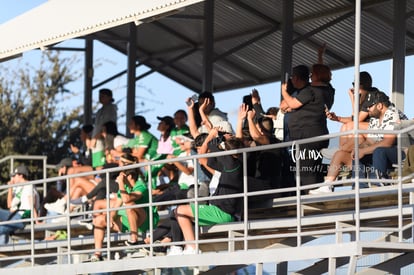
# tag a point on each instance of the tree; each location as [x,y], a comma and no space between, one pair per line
[33,120]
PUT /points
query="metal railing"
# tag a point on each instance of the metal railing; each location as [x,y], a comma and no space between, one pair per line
[15,158]
[299,227]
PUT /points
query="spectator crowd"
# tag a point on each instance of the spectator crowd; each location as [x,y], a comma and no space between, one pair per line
[201,128]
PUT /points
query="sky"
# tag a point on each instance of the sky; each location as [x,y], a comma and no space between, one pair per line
[159,96]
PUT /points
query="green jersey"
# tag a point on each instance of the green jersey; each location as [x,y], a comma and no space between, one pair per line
[178,132]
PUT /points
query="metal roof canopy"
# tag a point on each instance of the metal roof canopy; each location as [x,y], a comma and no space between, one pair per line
[248,36]
[223,45]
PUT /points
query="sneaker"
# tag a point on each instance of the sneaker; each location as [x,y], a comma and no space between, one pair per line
[86,223]
[59,206]
[321,190]
[175,250]
[328,152]
[79,201]
[190,251]
[131,243]
[77,209]
[96,258]
[156,250]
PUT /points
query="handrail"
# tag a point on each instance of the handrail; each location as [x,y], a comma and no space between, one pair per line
[301,219]
[13,158]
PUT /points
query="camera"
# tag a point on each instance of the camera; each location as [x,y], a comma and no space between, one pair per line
[193,98]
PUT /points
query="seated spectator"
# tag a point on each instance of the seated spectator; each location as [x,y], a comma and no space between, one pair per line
[218,211]
[81,152]
[165,127]
[113,140]
[181,128]
[132,191]
[373,147]
[165,148]
[21,200]
[143,146]
[178,189]
[163,234]
[365,88]
[99,191]
[210,115]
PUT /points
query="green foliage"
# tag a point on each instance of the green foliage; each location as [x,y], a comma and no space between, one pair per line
[33,115]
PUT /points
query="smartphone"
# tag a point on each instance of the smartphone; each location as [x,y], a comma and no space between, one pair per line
[247,99]
[286,77]
[326,108]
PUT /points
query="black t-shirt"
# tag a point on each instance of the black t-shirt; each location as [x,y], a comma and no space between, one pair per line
[230,182]
[309,120]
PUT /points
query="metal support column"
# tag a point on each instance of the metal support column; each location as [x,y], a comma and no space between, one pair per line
[87,100]
[131,71]
[287,37]
[208,50]
[282,268]
[398,56]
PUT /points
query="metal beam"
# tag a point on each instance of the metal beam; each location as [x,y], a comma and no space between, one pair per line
[87,100]
[391,266]
[287,39]
[131,71]
[324,27]
[250,41]
[255,12]
[208,50]
[165,64]
[398,60]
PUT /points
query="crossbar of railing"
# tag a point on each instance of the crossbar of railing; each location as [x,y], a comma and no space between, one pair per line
[298,233]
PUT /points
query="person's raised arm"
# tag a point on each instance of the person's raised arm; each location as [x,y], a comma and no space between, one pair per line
[290,101]
[321,52]
[240,120]
[211,135]
[204,119]
[191,118]
[254,132]
[257,104]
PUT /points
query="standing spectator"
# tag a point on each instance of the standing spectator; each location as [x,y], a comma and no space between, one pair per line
[306,119]
[20,201]
[108,112]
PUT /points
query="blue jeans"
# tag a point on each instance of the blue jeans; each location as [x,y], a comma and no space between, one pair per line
[6,229]
[383,158]
[375,166]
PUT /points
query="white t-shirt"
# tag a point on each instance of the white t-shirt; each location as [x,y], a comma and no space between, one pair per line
[25,194]
[183,177]
[387,123]
[120,140]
